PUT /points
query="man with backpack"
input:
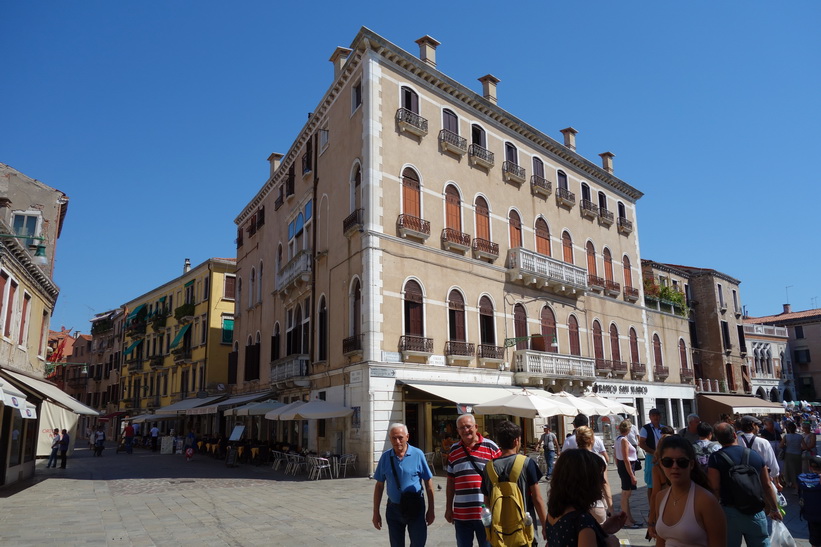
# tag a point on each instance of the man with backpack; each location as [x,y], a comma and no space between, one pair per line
[741,480]
[508,483]
[749,438]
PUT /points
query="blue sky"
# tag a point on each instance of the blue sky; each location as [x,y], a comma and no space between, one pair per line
[156,119]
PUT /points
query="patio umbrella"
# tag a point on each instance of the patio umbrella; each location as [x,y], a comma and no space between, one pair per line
[277,412]
[525,404]
[582,406]
[257,409]
[614,407]
[316,410]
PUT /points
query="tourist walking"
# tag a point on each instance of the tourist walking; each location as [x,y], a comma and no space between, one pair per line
[55,447]
[792,444]
[625,455]
[550,443]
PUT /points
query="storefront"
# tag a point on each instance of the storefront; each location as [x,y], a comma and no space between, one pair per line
[674,401]
[711,407]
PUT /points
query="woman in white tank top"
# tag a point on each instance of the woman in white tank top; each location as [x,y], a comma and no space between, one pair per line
[688,512]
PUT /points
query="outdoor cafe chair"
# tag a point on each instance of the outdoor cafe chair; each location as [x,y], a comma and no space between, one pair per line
[279,459]
[346,461]
[431,459]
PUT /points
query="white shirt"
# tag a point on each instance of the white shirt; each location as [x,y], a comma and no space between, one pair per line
[764,448]
[598,445]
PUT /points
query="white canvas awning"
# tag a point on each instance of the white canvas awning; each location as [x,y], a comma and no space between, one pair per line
[227,403]
[185,404]
[464,393]
[49,392]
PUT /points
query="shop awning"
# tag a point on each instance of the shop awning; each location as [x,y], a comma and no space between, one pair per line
[179,336]
[50,392]
[11,397]
[259,408]
[185,404]
[710,406]
[30,413]
[148,418]
[469,394]
[131,347]
[101,317]
[135,311]
[227,403]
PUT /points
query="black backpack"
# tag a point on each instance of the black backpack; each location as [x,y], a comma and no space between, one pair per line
[746,491]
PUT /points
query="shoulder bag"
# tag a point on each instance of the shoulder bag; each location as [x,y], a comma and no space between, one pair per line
[411,502]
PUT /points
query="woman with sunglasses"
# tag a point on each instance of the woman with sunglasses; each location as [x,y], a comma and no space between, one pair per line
[688,512]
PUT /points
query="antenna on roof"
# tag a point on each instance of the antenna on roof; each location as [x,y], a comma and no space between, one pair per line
[787,290]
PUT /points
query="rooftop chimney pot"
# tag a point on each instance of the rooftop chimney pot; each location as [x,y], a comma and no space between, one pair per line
[187,266]
[787,308]
[339,58]
[569,137]
[607,161]
[489,82]
[274,159]
[427,49]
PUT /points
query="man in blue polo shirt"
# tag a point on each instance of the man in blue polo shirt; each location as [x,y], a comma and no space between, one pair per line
[404,469]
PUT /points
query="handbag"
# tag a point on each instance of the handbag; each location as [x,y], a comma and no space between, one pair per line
[637,465]
[411,502]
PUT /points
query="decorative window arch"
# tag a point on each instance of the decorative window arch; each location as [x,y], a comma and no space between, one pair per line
[450,121]
[482,218]
[411,193]
[567,247]
[549,337]
[586,193]
[561,179]
[453,208]
[591,259]
[608,264]
[615,350]
[515,225]
[573,335]
[520,326]
[456,317]
[538,167]
[410,99]
[542,237]
[355,320]
[511,153]
[487,322]
[414,309]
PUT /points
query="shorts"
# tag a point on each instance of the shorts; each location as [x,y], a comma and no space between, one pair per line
[648,472]
[624,475]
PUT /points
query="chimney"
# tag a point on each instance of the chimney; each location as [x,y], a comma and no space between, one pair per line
[339,58]
[569,137]
[274,159]
[787,308]
[489,82]
[427,49]
[187,266]
[607,161]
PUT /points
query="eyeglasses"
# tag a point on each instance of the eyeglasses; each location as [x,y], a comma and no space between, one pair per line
[466,427]
[681,462]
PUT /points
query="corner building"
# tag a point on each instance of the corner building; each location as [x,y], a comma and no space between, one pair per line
[419,250]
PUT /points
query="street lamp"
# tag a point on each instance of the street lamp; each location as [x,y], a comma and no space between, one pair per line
[39,257]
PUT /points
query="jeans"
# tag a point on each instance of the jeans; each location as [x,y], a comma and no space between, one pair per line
[466,530]
[129,445]
[63,458]
[417,528]
[52,459]
[752,527]
[550,457]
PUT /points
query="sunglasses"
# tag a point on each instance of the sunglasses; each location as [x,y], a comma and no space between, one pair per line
[681,462]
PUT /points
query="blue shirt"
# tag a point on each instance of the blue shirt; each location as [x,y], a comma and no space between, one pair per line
[410,470]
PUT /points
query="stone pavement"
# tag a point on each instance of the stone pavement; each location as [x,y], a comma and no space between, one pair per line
[149,499]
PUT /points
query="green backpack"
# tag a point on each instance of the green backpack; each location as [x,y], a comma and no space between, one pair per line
[508,528]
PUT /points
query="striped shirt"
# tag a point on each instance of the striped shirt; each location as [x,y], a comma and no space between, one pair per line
[468,498]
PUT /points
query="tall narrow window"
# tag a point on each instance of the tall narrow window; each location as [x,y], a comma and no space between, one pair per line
[720,295]
[487,324]
[634,347]
[411,201]
[591,259]
[567,247]
[356,189]
[542,237]
[482,219]
[515,230]
[598,345]
[356,96]
[622,211]
[573,332]
[453,208]
[413,309]
[456,317]
[659,362]
[450,122]
[551,342]
[615,350]
[275,343]
[323,330]
[585,191]
[511,154]
[608,264]
[520,326]
[538,167]
[628,272]
[602,201]
[477,136]
[252,288]
[24,317]
[10,308]
[562,179]
[410,100]
[682,354]
[356,309]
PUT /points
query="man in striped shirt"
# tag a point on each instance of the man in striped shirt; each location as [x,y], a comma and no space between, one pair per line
[466,461]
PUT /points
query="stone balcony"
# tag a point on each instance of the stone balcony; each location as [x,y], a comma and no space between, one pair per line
[295,273]
[539,368]
[411,226]
[483,248]
[290,371]
[542,271]
[540,185]
[513,173]
[481,156]
[411,122]
[455,240]
[452,142]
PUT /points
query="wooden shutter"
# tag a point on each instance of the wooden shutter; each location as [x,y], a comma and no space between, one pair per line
[410,194]
[634,347]
[453,209]
[450,121]
[608,265]
[591,258]
[542,237]
[615,351]
[520,325]
[549,329]
[598,347]
[456,305]
[573,330]
[515,230]
[567,247]
[628,273]
[482,219]
[413,309]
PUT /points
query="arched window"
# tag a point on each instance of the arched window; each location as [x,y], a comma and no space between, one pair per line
[622,210]
[477,136]
[453,208]
[682,354]
[628,272]
[634,347]
[487,323]
[591,258]
[356,189]
[410,100]
[549,330]
[482,219]
[456,317]
[239,293]
[542,237]
[659,362]
[411,195]
[259,284]
[275,343]
[515,224]
[573,331]
[586,193]
[279,257]
[511,154]
[562,180]
[252,290]
[520,326]
[730,376]
[356,309]
[598,344]
[615,351]
[602,201]
[323,330]
[567,247]
[450,122]
[293,332]
[414,319]
[608,265]
[538,167]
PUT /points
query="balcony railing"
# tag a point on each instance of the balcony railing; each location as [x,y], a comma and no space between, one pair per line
[454,239]
[638,370]
[297,270]
[513,173]
[352,344]
[554,364]
[766,330]
[184,312]
[631,294]
[589,209]
[625,226]
[181,355]
[289,368]
[565,197]
[452,142]
[353,222]
[413,226]
[416,345]
[459,349]
[619,367]
[604,366]
[483,248]
[687,374]
[539,185]
[543,271]
[661,372]
[412,122]
[596,283]
[489,352]
[612,288]
[605,217]
[157,361]
[480,156]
